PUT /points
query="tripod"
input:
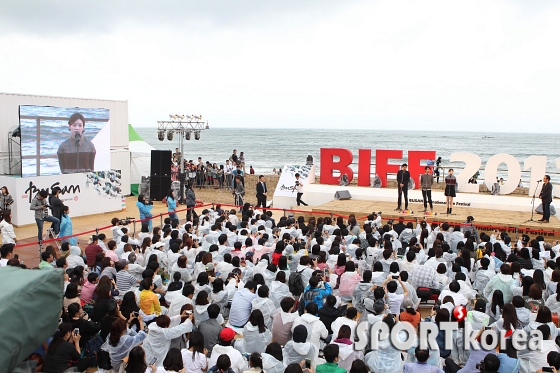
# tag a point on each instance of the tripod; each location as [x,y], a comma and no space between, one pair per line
[533,202]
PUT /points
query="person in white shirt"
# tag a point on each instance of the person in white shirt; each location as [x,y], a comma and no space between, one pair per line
[453,292]
[8,234]
[532,361]
[7,253]
[349,319]
[316,330]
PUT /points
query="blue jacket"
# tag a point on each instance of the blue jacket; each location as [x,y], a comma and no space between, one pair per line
[508,364]
[318,299]
[66,230]
[145,210]
[171,204]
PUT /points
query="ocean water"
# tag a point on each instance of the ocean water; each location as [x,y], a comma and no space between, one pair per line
[266,149]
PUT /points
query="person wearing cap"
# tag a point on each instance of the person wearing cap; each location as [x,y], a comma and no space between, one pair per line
[125,280]
[409,315]
[403,178]
[298,349]
[224,347]
[468,226]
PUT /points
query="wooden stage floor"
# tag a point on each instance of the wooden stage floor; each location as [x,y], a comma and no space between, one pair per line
[485,217]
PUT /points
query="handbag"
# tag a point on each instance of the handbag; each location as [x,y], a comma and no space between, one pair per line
[104,360]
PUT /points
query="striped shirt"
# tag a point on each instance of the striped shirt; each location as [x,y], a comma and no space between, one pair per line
[125,281]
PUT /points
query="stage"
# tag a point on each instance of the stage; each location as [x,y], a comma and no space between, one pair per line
[488,210]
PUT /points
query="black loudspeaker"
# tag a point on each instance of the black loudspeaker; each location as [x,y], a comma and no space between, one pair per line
[160,164]
[159,186]
[342,195]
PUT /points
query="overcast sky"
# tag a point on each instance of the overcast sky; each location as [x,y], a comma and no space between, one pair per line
[410,65]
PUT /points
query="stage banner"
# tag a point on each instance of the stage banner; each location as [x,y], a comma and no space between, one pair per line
[84,193]
[286,186]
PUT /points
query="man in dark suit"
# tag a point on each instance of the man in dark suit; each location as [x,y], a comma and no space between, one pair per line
[261,192]
[403,177]
[546,198]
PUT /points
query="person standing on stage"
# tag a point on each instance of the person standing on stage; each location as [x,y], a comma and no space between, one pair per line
[546,198]
[238,191]
[403,177]
[261,192]
[299,189]
[450,184]
[437,169]
[426,181]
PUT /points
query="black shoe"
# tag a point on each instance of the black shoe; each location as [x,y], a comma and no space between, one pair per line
[397,209]
[450,210]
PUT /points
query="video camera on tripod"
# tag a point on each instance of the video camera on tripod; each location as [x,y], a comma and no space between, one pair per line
[126,221]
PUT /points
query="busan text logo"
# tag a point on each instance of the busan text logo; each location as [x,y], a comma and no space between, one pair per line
[403,336]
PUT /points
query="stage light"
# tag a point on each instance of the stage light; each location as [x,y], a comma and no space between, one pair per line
[170,135]
[161,135]
[182,116]
[197,135]
[188,135]
[171,116]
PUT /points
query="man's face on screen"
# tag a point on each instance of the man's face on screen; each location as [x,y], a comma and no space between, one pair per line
[77,127]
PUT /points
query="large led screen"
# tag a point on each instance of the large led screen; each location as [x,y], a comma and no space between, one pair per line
[60,140]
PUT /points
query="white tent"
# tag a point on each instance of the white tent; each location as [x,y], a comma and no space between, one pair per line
[140,158]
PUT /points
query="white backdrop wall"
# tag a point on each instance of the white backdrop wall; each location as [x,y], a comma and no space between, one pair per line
[80,192]
[91,198]
[9,119]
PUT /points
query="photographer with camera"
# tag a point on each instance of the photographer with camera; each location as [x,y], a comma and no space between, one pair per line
[39,205]
[145,210]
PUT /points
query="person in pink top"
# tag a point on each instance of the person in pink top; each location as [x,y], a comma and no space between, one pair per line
[86,296]
[348,281]
[110,253]
[260,249]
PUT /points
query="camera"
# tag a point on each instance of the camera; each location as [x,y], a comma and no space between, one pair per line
[481,365]
[148,202]
[126,221]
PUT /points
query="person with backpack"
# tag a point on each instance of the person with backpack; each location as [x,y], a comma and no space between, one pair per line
[315,292]
[298,279]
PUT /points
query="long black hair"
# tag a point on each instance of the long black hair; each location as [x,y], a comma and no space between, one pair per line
[173,360]
[256,361]
[58,337]
[257,319]
[196,342]
[136,361]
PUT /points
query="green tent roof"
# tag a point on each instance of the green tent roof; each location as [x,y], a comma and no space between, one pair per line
[133,135]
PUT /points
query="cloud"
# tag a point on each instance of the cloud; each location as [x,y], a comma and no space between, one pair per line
[63,17]
[384,64]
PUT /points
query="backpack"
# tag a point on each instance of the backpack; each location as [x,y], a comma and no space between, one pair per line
[306,298]
[92,348]
[295,283]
